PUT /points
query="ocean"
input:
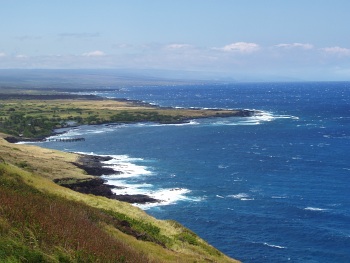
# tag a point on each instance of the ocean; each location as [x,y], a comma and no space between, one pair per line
[270,188]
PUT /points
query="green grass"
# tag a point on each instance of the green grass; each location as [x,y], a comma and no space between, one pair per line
[38,118]
[140,229]
[40,227]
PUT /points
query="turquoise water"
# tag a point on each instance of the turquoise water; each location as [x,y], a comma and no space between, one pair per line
[272,188]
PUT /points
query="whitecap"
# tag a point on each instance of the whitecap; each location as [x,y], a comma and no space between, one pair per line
[127,167]
[166,197]
[25,142]
[123,188]
[155,124]
[259,118]
[274,246]
[278,197]
[309,208]
[241,196]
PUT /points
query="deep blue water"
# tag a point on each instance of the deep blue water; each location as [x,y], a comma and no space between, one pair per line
[269,189]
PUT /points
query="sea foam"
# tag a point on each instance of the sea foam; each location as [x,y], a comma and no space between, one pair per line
[309,208]
[241,196]
[257,119]
[127,169]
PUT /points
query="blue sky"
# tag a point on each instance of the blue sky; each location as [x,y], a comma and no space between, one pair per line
[239,39]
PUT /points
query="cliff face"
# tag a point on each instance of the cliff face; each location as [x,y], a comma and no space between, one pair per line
[41,221]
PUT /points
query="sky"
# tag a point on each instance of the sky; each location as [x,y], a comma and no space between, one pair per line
[238,39]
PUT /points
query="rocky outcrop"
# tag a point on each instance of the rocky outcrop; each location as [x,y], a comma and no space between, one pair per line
[97,186]
[92,165]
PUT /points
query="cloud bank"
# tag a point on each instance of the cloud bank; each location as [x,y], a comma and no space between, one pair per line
[295,45]
[285,59]
[337,51]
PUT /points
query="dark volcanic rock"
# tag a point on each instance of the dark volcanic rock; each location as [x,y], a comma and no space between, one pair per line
[92,165]
[248,113]
[13,139]
[139,199]
[97,186]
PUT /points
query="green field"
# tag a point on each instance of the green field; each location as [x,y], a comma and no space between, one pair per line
[38,118]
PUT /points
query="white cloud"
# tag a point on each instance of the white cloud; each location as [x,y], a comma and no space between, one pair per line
[96,53]
[178,46]
[242,47]
[337,51]
[2,54]
[296,45]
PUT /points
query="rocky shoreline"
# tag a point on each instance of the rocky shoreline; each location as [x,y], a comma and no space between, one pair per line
[92,165]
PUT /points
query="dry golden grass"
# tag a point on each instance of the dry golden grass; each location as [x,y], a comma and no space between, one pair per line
[48,163]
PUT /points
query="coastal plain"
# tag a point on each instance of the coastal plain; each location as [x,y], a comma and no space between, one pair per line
[38,117]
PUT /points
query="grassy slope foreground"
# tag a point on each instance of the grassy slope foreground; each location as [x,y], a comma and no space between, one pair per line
[41,221]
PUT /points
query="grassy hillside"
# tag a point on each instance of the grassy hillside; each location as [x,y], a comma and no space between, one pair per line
[41,221]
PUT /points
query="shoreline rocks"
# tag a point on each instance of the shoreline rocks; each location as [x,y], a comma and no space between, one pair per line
[92,165]
[98,186]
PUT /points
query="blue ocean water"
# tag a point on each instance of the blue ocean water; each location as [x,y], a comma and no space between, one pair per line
[272,188]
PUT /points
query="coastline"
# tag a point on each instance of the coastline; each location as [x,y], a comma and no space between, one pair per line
[104,166]
[93,165]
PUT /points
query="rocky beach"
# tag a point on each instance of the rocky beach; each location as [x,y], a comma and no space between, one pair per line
[93,165]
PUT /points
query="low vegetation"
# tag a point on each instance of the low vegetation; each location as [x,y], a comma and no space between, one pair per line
[33,118]
[40,227]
